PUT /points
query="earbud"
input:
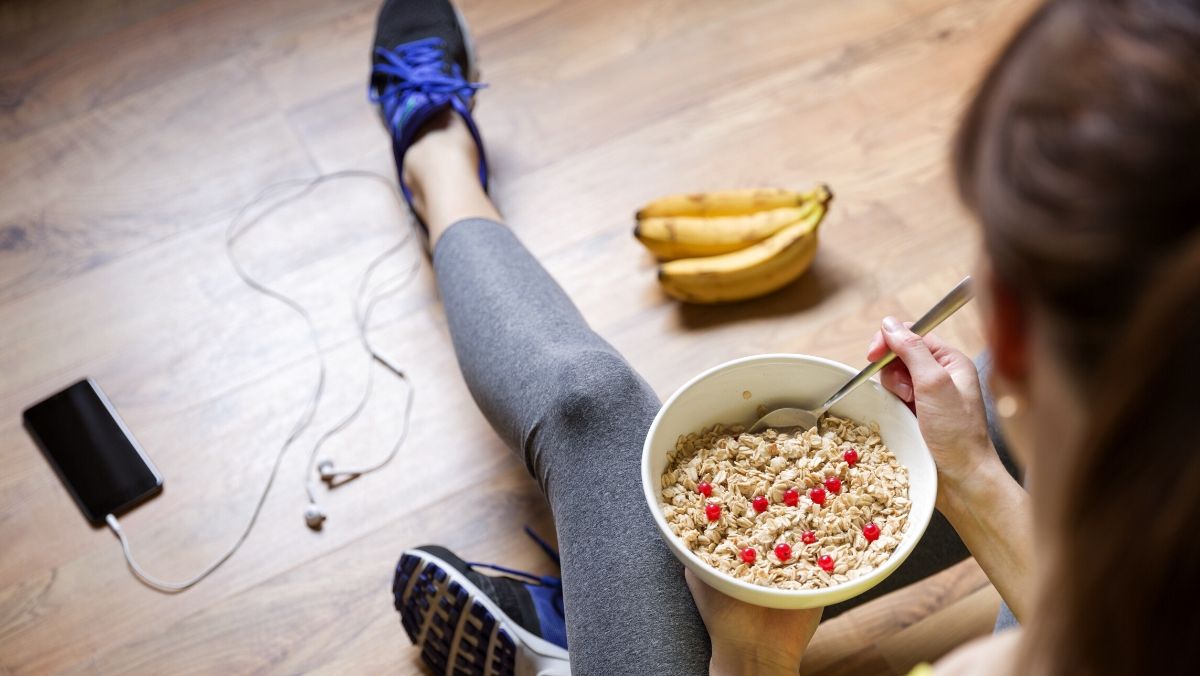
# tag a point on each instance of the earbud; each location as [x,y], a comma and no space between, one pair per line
[326,470]
[314,516]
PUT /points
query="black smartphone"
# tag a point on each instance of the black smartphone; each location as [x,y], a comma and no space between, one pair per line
[93,452]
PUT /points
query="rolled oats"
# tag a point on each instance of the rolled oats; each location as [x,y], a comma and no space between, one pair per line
[740,466]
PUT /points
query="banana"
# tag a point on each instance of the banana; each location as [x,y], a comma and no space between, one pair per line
[671,237]
[754,271]
[723,203]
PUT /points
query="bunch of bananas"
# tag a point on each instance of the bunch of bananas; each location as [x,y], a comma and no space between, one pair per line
[734,244]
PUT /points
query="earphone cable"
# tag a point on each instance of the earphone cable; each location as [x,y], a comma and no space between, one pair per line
[362,318]
[239,225]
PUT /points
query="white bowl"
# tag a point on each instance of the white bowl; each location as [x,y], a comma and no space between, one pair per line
[719,395]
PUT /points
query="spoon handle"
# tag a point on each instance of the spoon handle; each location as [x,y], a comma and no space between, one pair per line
[945,307]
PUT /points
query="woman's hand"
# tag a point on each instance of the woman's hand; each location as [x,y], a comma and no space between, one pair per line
[987,507]
[941,385]
[749,639]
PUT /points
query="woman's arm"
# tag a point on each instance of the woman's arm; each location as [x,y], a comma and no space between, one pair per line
[991,513]
[989,510]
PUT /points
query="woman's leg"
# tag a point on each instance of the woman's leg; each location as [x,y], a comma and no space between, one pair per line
[574,410]
[548,361]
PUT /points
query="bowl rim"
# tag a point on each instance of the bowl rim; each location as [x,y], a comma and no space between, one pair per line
[650,487]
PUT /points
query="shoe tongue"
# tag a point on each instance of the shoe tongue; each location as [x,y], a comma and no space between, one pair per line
[401,22]
[547,603]
[512,596]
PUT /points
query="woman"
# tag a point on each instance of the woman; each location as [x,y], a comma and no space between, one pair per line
[1079,158]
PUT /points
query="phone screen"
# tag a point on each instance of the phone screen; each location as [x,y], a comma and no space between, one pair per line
[94,454]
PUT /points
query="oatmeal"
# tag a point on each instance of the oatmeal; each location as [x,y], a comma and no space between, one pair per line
[791,510]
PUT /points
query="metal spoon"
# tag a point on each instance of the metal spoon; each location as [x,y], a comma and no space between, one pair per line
[798,417]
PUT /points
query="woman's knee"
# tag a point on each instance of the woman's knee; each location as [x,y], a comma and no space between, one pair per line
[598,387]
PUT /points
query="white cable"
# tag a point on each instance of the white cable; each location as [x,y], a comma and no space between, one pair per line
[362,318]
[233,233]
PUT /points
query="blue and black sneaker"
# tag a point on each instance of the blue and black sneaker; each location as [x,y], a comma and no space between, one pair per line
[423,63]
[466,622]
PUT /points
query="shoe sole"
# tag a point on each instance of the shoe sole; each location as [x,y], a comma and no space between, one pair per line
[460,630]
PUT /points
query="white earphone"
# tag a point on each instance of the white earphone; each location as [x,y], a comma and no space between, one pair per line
[323,467]
[364,305]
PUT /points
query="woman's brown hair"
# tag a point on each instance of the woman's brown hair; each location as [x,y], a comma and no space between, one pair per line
[1080,155]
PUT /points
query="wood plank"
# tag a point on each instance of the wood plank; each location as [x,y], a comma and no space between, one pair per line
[80,76]
[288,634]
[29,30]
[116,189]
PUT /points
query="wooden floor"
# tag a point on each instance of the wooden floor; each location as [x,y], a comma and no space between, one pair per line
[130,132]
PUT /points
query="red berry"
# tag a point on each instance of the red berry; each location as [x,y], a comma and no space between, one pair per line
[713,511]
[704,488]
[808,537]
[851,457]
[783,551]
[791,497]
[817,495]
[833,485]
[826,563]
[760,503]
[749,555]
[871,532]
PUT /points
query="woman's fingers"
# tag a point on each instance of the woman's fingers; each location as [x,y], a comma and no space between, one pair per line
[946,354]
[877,347]
[923,367]
[896,379]
[935,343]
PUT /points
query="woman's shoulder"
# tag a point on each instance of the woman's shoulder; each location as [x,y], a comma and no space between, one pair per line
[990,656]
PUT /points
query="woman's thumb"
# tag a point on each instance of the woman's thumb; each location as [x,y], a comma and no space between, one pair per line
[912,350]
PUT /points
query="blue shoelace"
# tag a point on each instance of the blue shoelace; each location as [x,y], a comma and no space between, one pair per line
[544,580]
[419,67]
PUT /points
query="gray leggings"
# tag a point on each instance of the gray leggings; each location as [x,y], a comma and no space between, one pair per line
[577,413]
